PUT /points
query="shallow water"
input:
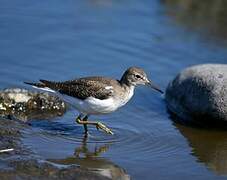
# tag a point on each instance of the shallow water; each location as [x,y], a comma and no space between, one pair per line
[60,40]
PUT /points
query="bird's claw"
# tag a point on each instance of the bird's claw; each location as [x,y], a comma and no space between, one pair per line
[100,125]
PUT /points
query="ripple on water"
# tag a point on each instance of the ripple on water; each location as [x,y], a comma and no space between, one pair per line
[144,139]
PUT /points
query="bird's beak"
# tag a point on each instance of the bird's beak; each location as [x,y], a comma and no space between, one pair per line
[153,86]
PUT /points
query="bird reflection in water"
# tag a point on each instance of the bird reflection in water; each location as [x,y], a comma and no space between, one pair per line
[87,157]
[86,153]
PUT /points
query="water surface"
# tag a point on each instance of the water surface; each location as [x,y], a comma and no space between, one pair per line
[60,40]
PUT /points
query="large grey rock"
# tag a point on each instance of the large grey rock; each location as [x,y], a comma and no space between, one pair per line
[199,93]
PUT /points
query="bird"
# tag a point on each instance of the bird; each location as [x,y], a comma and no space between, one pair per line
[97,95]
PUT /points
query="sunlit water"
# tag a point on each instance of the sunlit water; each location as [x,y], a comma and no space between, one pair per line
[60,40]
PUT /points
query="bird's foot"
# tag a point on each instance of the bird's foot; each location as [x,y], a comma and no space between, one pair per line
[100,125]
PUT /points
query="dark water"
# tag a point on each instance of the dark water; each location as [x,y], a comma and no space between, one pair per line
[60,40]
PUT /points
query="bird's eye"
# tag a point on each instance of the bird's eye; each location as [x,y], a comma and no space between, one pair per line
[138,76]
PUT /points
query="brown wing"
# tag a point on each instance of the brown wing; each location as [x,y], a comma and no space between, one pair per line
[83,88]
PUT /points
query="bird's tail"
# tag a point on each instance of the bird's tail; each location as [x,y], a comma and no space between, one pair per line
[38,85]
[43,85]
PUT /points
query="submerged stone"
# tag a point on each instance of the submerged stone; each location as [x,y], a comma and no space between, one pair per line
[199,94]
[24,105]
[10,135]
[22,163]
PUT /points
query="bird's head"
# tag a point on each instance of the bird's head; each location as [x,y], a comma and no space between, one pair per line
[134,76]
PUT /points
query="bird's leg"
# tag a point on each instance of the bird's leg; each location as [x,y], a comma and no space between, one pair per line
[79,120]
[85,125]
[98,125]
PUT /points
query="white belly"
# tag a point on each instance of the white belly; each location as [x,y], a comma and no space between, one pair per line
[92,105]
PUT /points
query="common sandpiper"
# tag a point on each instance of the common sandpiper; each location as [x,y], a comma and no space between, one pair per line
[98,95]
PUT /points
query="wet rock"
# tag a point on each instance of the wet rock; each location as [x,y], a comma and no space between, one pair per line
[199,94]
[24,105]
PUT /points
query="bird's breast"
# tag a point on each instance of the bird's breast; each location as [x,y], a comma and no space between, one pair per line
[125,96]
